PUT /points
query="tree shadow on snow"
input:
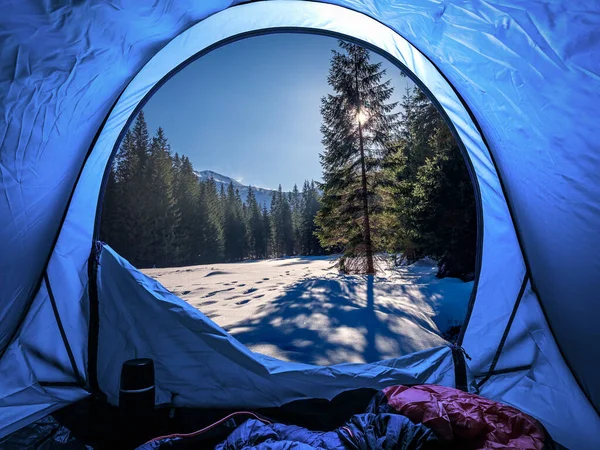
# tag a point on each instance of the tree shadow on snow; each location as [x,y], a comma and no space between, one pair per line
[334,320]
[297,260]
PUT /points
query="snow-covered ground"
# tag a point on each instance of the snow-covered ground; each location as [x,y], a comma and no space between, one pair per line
[301,309]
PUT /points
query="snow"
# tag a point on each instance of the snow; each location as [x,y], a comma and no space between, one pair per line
[301,309]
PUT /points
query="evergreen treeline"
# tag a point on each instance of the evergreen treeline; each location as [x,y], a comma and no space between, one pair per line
[432,204]
[157,212]
[391,182]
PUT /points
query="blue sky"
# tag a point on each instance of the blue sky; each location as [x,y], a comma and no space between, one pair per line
[250,109]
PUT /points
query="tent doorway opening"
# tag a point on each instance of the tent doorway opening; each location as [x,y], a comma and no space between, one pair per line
[319,208]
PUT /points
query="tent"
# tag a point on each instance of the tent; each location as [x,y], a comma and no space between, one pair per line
[519,82]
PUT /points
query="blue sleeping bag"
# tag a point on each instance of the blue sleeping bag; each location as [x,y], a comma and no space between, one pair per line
[362,431]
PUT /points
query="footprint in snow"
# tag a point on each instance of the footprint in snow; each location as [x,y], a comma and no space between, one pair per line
[209,302]
[242,302]
[210,294]
[259,296]
[265,279]
[259,282]
[249,291]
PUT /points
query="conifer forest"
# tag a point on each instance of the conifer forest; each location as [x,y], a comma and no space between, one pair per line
[394,181]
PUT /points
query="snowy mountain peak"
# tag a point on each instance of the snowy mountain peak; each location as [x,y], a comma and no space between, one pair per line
[219,179]
[263,196]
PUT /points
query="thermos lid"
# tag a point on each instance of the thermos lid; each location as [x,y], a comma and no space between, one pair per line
[137,374]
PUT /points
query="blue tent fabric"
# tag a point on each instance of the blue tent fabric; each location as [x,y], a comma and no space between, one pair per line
[519,80]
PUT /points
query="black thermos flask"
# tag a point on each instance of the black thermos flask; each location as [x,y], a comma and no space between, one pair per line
[136,396]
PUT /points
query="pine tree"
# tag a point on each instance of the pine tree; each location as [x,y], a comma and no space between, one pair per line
[256,230]
[358,127]
[266,246]
[281,224]
[109,230]
[132,216]
[162,212]
[141,140]
[233,225]
[211,245]
[241,235]
[295,200]
[187,193]
[309,242]
[176,163]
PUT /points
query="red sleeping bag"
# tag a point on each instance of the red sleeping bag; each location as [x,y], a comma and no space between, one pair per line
[476,422]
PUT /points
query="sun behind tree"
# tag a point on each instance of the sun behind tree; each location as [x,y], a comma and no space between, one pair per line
[358,128]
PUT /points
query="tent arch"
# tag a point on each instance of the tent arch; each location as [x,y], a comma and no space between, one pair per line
[223,28]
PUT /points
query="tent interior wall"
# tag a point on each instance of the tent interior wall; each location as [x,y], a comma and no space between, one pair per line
[519,82]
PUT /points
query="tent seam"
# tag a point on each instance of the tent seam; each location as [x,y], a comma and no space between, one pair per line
[506,332]
[62,332]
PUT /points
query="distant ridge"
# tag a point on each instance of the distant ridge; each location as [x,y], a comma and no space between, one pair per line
[263,196]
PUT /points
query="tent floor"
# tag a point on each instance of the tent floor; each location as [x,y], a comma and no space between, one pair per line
[94,424]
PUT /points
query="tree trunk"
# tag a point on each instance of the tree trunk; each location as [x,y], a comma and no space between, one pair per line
[367,223]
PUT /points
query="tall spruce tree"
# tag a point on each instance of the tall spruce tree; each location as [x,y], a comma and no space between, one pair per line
[309,242]
[256,228]
[163,214]
[109,221]
[358,127]
[130,180]
[266,242]
[234,230]
[210,228]
[295,200]
[187,192]
[282,227]
[307,226]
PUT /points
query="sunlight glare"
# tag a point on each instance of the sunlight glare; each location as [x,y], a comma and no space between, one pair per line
[362,116]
